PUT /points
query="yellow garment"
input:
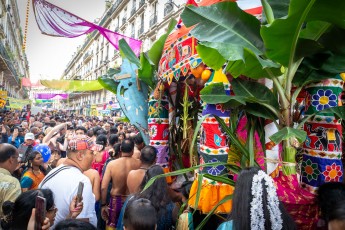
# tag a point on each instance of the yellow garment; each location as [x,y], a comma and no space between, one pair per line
[9,188]
[210,195]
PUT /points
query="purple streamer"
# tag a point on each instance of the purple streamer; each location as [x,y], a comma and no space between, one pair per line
[55,21]
[52,96]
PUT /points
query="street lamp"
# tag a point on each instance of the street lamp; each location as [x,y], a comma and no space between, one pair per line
[169,5]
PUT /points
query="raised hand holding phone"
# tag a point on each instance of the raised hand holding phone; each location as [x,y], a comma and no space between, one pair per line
[80,193]
[40,213]
[15,134]
[76,206]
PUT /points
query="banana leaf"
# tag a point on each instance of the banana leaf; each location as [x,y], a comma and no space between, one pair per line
[127,52]
[108,83]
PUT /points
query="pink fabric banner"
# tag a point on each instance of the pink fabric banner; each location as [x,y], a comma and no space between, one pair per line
[54,21]
[26,82]
[52,96]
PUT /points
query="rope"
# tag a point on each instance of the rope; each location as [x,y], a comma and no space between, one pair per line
[275,161]
[26,25]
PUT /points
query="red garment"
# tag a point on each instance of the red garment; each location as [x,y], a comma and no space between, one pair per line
[28,114]
[99,165]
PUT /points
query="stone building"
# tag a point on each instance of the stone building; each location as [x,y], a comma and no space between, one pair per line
[146,20]
[13,61]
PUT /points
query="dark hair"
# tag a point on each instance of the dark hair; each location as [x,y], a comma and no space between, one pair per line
[7,151]
[101,132]
[74,224]
[102,140]
[113,139]
[123,134]
[140,215]
[148,155]
[81,128]
[127,146]
[117,149]
[113,130]
[338,212]
[157,193]
[242,198]
[90,133]
[329,194]
[19,212]
[38,134]
[32,156]
[95,130]
[138,139]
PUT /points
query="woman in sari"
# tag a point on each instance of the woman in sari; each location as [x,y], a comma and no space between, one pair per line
[34,174]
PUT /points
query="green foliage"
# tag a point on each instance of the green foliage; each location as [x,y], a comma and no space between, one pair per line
[147,70]
[288,133]
[156,50]
[108,83]
[149,60]
[127,52]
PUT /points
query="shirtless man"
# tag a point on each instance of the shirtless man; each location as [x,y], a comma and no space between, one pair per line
[139,145]
[117,171]
[135,177]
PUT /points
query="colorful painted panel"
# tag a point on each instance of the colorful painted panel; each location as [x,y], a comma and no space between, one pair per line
[322,149]
[325,137]
[323,95]
[158,126]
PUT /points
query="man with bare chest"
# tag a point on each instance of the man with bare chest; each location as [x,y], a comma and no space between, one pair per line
[117,171]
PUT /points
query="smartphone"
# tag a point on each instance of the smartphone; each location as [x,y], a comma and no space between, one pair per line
[40,214]
[80,193]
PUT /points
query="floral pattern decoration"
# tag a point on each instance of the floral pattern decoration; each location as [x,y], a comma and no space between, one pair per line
[332,173]
[215,170]
[324,99]
[310,170]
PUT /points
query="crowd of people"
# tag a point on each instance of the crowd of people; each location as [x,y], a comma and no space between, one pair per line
[114,165]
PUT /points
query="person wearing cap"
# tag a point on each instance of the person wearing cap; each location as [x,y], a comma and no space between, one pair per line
[26,148]
[64,180]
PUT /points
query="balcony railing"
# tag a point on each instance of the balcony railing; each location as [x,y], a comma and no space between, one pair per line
[141,30]
[141,3]
[167,11]
[87,56]
[153,19]
[133,11]
[124,20]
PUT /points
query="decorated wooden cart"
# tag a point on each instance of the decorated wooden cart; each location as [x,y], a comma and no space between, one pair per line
[235,88]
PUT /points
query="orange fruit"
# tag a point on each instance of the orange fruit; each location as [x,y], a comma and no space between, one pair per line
[198,70]
[206,74]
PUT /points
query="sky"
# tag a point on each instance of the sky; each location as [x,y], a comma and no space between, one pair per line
[48,56]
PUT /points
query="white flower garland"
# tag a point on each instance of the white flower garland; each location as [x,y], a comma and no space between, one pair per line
[257,219]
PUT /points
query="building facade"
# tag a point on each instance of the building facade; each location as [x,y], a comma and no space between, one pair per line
[146,20]
[13,61]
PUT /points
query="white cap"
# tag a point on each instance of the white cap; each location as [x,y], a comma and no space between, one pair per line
[29,136]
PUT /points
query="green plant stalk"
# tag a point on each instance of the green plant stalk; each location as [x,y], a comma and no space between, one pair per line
[251,142]
[185,117]
[289,155]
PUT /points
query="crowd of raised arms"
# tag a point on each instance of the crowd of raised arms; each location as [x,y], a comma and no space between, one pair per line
[91,172]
